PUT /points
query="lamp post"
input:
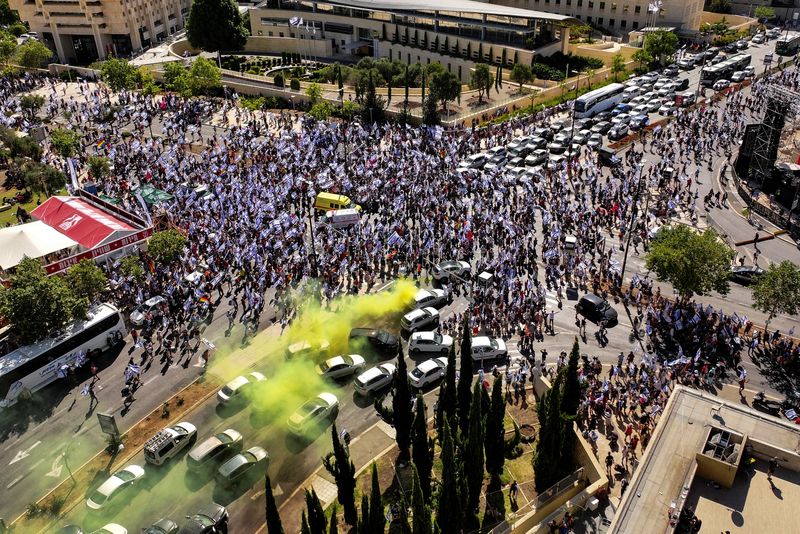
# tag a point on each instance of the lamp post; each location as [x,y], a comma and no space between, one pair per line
[572,133]
[634,210]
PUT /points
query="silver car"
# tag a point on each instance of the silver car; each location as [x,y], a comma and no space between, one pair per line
[429,342]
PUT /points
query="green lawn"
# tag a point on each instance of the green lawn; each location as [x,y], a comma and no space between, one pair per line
[9,217]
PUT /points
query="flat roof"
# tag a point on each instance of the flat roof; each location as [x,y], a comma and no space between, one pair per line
[463,6]
[670,458]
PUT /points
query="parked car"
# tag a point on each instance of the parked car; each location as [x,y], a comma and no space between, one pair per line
[375,379]
[109,491]
[380,341]
[313,412]
[211,519]
[162,526]
[488,348]
[341,366]
[618,132]
[214,449]
[429,342]
[719,85]
[556,148]
[595,141]
[544,133]
[419,319]
[169,442]
[759,38]
[427,372]
[639,122]
[667,108]
[597,309]
[738,76]
[742,44]
[620,108]
[746,274]
[608,158]
[749,71]
[436,298]
[654,104]
[232,391]
[111,528]
[601,127]
[306,348]
[253,460]
[152,305]
[686,63]
[536,157]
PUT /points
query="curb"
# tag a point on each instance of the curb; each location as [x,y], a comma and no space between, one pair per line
[130,455]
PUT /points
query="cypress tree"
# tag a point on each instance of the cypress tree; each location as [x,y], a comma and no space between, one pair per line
[363,522]
[316,517]
[465,377]
[401,525]
[473,454]
[377,521]
[420,510]
[548,448]
[333,527]
[571,398]
[274,525]
[304,524]
[401,407]
[339,465]
[494,439]
[448,399]
[422,455]
[449,516]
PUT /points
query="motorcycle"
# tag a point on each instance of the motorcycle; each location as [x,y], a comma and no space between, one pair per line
[771,407]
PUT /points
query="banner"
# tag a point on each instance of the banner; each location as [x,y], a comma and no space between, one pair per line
[99,251]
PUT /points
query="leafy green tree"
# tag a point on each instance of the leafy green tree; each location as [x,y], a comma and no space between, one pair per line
[465,377]
[99,166]
[176,78]
[204,76]
[643,58]
[473,455]
[617,65]
[377,521]
[321,110]
[304,528]
[166,246]
[450,513]
[8,45]
[481,80]
[548,447]
[316,516]
[661,44]
[31,104]
[118,74]
[719,6]
[430,111]
[764,13]
[571,397]
[314,92]
[693,263]
[32,54]
[341,468]
[86,280]
[778,291]
[294,84]
[421,511]
[274,525]
[65,142]
[132,268]
[401,408]
[494,438]
[422,452]
[36,304]
[521,74]
[216,25]
[8,16]
[444,86]
[42,178]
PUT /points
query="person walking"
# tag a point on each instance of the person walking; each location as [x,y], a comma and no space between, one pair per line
[771,467]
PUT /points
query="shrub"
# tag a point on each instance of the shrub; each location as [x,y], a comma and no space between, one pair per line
[252,102]
[279,81]
[33,510]
[321,110]
[56,505]
[294,83]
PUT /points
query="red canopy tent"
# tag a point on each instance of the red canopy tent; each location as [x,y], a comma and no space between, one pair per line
[81,221]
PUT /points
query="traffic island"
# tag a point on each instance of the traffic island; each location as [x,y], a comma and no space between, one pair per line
[43,514]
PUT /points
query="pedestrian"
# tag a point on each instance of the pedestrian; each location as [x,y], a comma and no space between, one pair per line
[512,491]
[771,467]
[609,462]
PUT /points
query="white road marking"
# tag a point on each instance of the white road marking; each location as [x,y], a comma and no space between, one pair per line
[21,455]
[56,467]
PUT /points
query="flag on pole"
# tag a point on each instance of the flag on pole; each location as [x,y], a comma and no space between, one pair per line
[293,21]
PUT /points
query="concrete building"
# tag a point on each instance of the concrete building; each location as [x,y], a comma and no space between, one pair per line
[456,33]
[709,458]
[619,17]
[81,31]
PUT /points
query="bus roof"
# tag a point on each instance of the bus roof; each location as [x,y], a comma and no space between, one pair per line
[606,89]
[24,354]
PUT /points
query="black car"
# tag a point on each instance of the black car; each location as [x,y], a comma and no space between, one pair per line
[682,84]
[603,116]
[608,157]
[211,519]
[162,526]
[746,274]
[544,133]
[380,341]
[596,309]
[601,127]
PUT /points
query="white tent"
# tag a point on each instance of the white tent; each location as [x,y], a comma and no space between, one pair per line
[34,240]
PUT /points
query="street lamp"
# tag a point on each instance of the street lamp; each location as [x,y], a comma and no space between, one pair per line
[634,209]
[572,132]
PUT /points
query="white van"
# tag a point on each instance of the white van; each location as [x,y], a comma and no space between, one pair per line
[343,218]
[169,442]
[630,93]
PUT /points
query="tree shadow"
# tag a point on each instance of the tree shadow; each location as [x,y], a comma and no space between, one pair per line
[495,510]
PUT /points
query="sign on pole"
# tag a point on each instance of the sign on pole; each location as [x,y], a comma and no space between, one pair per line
[108,424]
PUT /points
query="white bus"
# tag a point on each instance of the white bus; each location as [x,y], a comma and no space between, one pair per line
[599,100]
[30,368]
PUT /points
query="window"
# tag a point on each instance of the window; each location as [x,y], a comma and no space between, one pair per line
[602,5]
[280,34]
[580,3]
[599,21]
[589,20]
[613,6]
[637,9]
[558,2]
[569,2]
[591,4]
[623,24]
[635,24]
[625,8]
[610,23]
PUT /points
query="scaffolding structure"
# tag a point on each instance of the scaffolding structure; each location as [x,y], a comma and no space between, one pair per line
[783,105]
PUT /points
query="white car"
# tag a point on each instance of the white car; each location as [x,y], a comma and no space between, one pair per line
[427,342]
[111,528]
[759,38]
[653,104]
[719,85]
[306,348]
[641,109]
[235,387]
[436,298]
[341,366]
[595,141]
[313,412]
[749,71]
[738,76]
[488,348]
[419,319]
[446,269]
[150,305]
[427,372]
[667,108]
[114,486]
[375,379]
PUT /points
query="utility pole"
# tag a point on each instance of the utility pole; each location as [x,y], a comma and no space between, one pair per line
[634,210]
[572,134]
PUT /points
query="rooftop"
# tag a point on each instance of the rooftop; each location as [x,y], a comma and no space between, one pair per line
[666,472]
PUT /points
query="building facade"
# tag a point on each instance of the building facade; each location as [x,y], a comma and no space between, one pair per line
[82,31]
[619,17]
[456,33]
